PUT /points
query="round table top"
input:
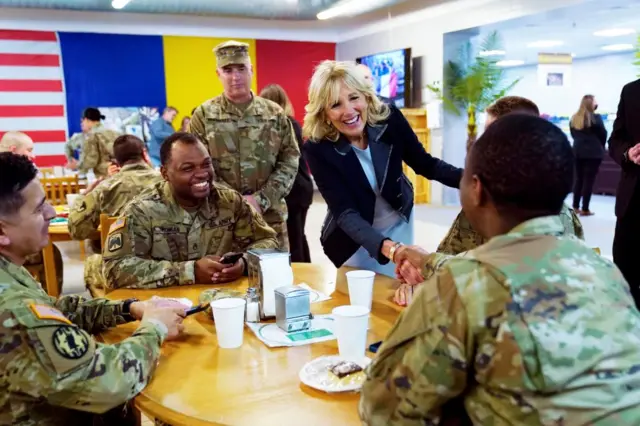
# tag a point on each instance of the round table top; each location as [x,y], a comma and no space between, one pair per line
[197,383]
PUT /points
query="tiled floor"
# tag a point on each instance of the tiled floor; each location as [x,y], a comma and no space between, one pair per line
[431,225]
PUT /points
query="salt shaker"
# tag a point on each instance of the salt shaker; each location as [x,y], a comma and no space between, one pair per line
[253,309]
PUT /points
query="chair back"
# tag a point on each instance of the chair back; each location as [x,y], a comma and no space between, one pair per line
[105,224]
[57,188]
[47,172]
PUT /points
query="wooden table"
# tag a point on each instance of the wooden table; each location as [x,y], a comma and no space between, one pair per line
[196,383]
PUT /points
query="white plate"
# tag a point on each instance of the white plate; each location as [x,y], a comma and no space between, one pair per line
[316,374]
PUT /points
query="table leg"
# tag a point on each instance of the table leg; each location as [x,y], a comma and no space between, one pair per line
[50,279]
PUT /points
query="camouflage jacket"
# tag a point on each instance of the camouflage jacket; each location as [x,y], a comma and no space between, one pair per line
[532,328]
[109,197]
[254,151]
[155,242]
[53,371]
[97,151]
[74,144]
[462,237]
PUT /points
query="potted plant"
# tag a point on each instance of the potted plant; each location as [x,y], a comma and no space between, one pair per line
[473,82]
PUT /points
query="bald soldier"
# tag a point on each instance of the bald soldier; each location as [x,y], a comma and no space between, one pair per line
[97,149]
[110,196]
[250,139]
[18,143]
[531,328]
[366,72]
[53,372]
[176,233]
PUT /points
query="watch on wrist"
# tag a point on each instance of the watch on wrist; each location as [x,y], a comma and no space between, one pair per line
[126,309]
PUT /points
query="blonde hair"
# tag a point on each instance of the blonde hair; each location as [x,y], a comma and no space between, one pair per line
[275,93]
[584,117]
[324,91]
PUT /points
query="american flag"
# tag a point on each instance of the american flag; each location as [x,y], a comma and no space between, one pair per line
[32,96]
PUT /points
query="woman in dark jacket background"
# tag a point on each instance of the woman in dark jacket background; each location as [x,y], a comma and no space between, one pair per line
[356,150]
[301,196]
[589,139]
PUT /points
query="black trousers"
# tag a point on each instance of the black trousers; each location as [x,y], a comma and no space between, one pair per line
[298,246]
[625,251]
[586,172]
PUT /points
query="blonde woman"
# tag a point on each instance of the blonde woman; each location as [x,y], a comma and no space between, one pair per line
[301,195]
[589,138]
[356,149]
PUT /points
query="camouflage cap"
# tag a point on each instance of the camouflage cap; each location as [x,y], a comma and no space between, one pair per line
[232,52]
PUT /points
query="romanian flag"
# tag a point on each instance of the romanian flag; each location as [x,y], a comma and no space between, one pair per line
[48,78]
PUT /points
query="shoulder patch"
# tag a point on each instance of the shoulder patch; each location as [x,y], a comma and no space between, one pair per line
[48,312]
[118,224]
[82,207]
[70,342]
[114,242]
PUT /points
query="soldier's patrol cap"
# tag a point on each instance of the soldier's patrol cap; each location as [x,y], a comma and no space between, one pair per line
[232,52]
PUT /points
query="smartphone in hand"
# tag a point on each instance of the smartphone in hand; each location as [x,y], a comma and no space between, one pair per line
[230,258]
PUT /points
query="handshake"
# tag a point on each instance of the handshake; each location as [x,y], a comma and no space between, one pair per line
[409,262]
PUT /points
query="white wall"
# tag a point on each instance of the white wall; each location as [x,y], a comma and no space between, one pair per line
[602,77]
[424,31]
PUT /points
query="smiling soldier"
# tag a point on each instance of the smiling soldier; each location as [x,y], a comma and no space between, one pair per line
[250,139]
[176,233]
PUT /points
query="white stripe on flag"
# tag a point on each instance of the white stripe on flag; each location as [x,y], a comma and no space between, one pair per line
[32,98]
[29,47]
[30,73]
[48,148]
[33,123]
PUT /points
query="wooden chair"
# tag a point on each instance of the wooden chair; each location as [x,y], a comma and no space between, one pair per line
[46,172]
[57,188]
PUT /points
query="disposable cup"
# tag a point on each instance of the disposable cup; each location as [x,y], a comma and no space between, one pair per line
[350,327]
[228,315]
[361,287]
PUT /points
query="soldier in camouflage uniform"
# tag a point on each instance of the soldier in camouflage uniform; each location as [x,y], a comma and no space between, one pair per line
[250,139]
[461,236]
[176,232]
[110,196]
[74,146]
[53,372]
[97,149]
[533,327]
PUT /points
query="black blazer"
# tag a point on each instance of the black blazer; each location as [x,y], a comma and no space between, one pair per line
[589,142]
[301,194]
[351,200]
[626,133]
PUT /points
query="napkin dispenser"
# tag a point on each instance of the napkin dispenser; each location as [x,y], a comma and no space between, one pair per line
[293,309]
[268,269]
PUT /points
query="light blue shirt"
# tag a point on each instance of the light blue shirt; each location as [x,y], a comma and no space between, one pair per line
[386,220]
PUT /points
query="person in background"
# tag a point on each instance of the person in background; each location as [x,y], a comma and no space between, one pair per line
[184,125]
[366,72]
[356,150]
[589,139]
[110,196]
[160,129]
[54,372]
[301,196]
[97,149]
[18,143]
[176,232]
[624,148]
[531,328]
[73,147]
[250,139]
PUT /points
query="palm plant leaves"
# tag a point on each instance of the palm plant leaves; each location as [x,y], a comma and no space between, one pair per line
[473,81]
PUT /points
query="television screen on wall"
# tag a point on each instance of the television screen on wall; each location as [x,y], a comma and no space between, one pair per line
[391,75]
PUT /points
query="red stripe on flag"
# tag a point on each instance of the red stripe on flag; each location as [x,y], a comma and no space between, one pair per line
[29,60]
[32,111]
[30,86]
[28,35]
[50,160]
[45,135]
